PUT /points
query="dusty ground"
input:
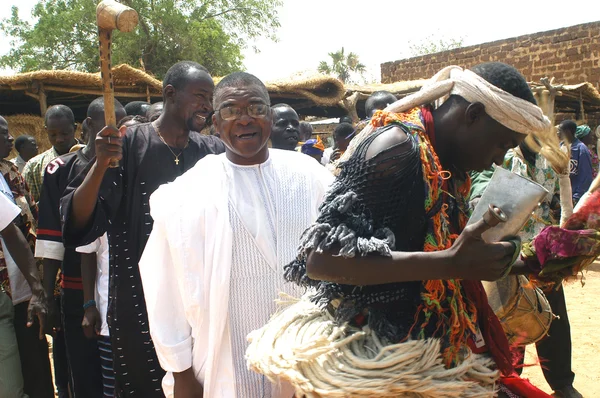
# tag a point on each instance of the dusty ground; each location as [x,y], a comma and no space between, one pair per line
[583,304]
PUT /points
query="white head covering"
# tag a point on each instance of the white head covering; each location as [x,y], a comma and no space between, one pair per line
[510,111]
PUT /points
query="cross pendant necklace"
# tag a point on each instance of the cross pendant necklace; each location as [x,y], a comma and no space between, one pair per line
[167,145]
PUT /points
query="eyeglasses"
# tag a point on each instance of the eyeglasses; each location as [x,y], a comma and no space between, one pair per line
[233,112]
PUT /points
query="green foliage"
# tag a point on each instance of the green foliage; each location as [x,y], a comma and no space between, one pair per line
[342,66]
[433,44]
[211,32]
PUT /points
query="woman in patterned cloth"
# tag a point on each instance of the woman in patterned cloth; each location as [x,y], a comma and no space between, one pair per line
[392,263]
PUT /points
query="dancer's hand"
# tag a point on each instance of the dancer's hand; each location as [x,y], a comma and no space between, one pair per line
[478,260]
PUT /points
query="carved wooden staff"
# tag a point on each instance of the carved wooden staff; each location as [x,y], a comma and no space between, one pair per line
[111,15]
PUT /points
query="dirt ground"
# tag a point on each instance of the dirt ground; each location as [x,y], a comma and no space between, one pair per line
[583,304]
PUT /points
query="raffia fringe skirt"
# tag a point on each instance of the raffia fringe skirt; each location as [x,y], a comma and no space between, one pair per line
[302,345]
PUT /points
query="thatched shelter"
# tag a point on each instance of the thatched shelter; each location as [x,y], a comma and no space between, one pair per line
[25,97]
[33,92]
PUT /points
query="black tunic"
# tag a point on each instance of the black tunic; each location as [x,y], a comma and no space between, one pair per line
[123,211]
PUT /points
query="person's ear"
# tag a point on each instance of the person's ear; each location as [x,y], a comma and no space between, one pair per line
[474,112]
[169,93]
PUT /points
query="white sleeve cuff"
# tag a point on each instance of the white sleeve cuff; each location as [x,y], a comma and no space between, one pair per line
[49,249]
[90,248]
[176,358]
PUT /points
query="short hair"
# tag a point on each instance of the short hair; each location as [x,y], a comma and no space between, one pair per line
[568,125]
[306,126]
[281,105]
[136,118]
[506,78]
[177,75]
[343,130]
[96,107]
[59,111]
[136,108]
[346,119]
[379,100]
[239,79]
[22,140]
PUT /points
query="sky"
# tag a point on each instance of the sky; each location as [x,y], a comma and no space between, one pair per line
[383,30]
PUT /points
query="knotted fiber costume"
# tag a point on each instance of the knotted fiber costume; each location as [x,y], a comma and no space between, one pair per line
[302,339]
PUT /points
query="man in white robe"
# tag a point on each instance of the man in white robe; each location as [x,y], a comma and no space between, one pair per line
[222,234]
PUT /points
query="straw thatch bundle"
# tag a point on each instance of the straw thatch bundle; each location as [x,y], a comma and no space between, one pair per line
[124,76]
[399,89]
[32,125]
[320,89]
[28,124]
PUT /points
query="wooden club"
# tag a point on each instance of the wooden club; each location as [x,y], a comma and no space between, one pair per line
[111,15]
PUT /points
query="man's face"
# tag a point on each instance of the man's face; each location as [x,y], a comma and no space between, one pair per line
[96,122]
[245,136]
[193,102]
[285,133]
[6,140]
[29,149]
[483,143]
[341,143]
[61,133]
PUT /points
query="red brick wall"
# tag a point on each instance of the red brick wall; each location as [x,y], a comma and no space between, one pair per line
[571,55]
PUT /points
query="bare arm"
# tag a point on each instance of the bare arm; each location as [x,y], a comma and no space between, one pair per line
[91,323]
[19,249]
[469,258]
[51,268]
[109,145]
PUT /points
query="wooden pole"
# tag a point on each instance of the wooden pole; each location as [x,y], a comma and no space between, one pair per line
[43,103]
[111,15]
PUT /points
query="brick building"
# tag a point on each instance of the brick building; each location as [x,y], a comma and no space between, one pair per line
[571,55]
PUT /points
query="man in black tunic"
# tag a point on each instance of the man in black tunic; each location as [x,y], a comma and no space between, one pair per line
[115,200]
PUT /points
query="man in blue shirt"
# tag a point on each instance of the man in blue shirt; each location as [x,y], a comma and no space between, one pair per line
[581,160]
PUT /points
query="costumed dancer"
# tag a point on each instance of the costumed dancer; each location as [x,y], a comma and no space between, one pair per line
[396,306]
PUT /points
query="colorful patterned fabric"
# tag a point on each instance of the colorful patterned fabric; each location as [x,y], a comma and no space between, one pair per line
[542,173]
[34,171]
[561,253]
[29,213]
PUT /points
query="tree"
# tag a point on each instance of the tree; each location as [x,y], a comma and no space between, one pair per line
[433,44]
[211,32]
[342,65]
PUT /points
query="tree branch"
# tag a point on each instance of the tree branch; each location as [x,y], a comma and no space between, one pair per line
[228,11]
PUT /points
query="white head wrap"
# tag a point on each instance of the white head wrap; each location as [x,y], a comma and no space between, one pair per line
[512,112]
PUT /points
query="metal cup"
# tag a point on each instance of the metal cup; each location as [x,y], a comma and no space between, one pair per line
[515,195]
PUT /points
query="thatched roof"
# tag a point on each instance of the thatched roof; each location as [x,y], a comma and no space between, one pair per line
[125,78]
[399,89]
[19,94]
[571,96]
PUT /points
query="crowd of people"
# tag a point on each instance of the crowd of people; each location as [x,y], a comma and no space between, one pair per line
[150,276]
